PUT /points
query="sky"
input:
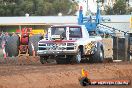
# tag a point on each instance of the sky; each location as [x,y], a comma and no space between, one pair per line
[92,6]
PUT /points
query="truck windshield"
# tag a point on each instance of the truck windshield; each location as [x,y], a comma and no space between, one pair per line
[75,32]
[59,31]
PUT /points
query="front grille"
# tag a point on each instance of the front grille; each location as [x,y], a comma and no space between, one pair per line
[70,44]
[42,44]
[57,46]
[42,48]
[70,48]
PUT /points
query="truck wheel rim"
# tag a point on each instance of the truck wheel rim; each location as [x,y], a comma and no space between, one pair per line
[101,54]
[78,57]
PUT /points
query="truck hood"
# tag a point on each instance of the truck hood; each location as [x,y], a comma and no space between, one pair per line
[84,41]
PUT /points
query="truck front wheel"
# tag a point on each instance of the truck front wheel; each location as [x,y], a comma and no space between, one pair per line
[43,60]
[77,57]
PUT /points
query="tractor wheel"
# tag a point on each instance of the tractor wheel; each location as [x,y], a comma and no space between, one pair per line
[98,56]
[34,40]
[12,45]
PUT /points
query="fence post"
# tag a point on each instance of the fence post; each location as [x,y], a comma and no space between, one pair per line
[115,48]
[127,55]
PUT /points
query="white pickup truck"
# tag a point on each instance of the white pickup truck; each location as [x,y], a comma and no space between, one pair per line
[70,43]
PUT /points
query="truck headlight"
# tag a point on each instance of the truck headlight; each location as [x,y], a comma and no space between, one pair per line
[74,45]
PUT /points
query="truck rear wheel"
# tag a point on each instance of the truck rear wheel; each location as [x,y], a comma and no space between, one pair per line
[34,40]
[12,45]
[98,56]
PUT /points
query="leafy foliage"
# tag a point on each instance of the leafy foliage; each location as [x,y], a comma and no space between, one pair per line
[35,7]
[119,8]
[109,10]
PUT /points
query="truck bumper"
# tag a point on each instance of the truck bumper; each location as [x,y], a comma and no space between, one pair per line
[58,52]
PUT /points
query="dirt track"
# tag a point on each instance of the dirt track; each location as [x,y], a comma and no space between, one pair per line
[36,75]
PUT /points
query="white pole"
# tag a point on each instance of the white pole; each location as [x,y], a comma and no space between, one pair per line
[67,33]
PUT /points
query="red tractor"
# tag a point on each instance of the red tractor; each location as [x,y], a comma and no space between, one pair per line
[22,42]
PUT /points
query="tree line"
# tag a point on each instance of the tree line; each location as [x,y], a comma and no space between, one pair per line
[53,7]
[36,7]
[120,7]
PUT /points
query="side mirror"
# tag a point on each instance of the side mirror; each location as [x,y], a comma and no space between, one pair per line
[106,19]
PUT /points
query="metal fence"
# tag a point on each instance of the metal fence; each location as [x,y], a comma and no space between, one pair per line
[121,48]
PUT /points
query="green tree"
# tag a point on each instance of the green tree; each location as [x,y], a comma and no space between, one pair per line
[62,6]
[108,10]
[129,10]
[119,7]
[35,7]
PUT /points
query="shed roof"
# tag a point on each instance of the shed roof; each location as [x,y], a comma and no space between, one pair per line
[38,20]
[54,20]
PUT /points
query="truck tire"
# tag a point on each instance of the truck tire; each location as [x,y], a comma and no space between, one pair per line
[34,39]
[12,45]
[98,56]
[43,60]
[77,58]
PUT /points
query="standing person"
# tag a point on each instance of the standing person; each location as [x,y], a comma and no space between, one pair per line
[6,37]
[3,49]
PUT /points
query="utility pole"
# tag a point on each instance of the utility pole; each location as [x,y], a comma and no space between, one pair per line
[128,3]
[87,5]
